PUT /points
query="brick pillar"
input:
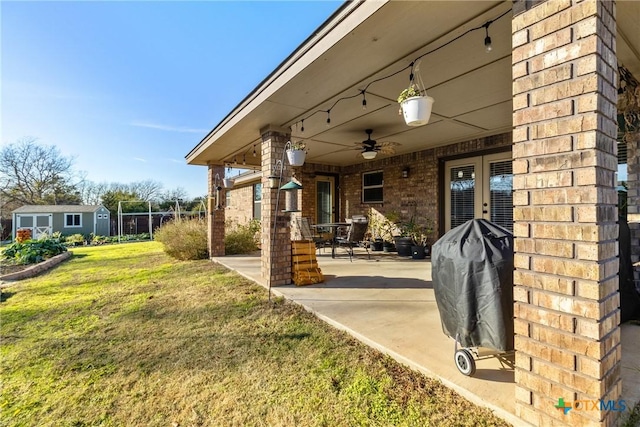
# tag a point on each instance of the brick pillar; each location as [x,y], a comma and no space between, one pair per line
[564,160]
[216,216]
[276,248]
[633,193]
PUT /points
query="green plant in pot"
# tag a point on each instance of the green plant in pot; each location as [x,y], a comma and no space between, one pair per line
[296,153]
[375,230]
[421,234]
[412,236]
[415,105]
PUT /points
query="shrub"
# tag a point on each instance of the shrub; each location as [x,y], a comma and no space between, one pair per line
[74,240]
[34,251]
[241,239]
[97,239]
[23,234]
[186,239]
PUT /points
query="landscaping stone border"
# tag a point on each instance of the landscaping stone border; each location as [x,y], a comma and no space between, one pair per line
[36,269]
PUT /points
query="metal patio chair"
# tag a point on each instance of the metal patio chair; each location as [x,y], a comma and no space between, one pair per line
[355,237]
[307,233]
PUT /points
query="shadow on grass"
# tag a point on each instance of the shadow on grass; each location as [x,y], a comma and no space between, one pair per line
[4,295]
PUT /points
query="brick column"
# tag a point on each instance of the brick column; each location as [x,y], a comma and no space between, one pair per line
[216,217]
[564,160]
[276,248]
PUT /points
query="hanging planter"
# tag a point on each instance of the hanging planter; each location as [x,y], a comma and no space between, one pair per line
[296,153]
[415,107]
[417,110]
[228,182]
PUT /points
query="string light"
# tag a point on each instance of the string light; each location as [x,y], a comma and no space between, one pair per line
[244,159]
[487,39]
[254,150]
[488,48]
[364,100]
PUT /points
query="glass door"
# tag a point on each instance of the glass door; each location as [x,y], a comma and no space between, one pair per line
[325,208]
[479,187]
[498,190]
[462,201]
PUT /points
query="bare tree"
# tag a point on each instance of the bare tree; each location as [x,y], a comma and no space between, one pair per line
[147,190]
[92,192]
[31,173]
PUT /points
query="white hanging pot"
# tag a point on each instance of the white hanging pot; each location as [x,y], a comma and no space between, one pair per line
[417,110]
[296,157]
[228,182]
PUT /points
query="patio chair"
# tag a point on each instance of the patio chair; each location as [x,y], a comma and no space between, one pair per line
[355,237]
[307,233]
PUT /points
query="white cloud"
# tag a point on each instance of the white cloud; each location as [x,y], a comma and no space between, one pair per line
[140,159]
[167,128]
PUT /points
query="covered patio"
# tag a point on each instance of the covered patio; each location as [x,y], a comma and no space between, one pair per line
[387,302]
[524,134]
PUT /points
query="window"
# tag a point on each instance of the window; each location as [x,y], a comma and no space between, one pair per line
[257,201]
[72,220]
[227,199]
[372,187]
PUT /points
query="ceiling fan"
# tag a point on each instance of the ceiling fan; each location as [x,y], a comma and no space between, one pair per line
[369,148]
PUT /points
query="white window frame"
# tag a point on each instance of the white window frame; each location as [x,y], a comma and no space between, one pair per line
[372,186]
[66,215]
[255,201]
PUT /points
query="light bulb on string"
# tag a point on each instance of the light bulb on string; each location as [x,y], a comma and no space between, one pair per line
[302,127]
[328,118]
[254,150]
[244,159]
[487,40]
[364,100]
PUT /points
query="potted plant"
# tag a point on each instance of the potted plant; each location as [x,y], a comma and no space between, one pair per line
[414,106]
[375,230]
[228,182]
[296,153]
[386,229]
[411,236]
[397,231]
[421,235]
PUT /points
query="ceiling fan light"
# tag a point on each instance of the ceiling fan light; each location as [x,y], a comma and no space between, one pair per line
[369,155]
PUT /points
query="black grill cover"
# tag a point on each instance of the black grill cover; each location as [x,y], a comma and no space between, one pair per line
[472,272]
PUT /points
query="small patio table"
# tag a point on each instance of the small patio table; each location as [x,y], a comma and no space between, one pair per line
[334,226]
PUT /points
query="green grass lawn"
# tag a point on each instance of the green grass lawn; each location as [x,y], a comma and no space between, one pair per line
[123,335]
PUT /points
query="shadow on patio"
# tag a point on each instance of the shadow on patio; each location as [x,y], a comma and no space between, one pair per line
[388,303]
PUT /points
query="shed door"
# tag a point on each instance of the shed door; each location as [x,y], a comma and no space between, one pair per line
[102,224]
[42,225]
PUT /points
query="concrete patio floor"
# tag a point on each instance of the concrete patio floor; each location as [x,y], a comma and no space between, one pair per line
[388,302]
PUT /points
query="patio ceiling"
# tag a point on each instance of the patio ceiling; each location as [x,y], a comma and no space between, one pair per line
[364,41]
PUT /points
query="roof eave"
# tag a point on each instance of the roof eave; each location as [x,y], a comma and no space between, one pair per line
[276,79]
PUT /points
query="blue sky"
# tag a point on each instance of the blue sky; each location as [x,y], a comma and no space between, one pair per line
[128,88]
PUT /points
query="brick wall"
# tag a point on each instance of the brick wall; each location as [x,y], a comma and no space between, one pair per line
[566,285]
[240,207]
[418,194]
